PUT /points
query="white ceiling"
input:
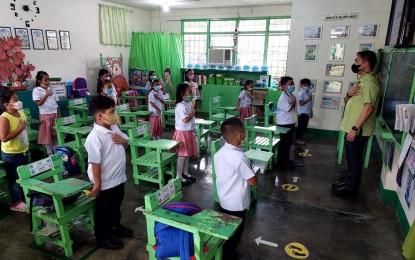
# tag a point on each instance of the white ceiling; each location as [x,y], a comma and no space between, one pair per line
[187,4]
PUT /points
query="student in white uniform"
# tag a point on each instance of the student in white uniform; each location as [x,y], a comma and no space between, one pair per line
[106,169]
[285,113]
[244,102]
[155,104]
[234,176]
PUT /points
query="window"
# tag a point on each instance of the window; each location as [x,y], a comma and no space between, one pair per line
[255,44]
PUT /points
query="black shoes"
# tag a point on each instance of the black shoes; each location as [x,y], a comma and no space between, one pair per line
[338,184]
[111,243]
[344,191]
[122,231]
[189,177]
[185,182]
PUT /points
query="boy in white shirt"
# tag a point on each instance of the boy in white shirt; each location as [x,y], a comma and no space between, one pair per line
[106,169]
[285,113]
[234,176]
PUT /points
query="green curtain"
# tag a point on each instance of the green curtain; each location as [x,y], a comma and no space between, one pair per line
[115,25]
[156,51]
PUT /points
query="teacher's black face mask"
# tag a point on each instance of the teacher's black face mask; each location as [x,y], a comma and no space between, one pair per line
[356,68]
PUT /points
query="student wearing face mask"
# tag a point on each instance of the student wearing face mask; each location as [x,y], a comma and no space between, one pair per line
[150,77]
[155,104]
[14,146]
[234,176]
[285,118]
[190,78]
[108,90]
[106,146]
[358,121]
[103,79]
[304,110]
[244,102]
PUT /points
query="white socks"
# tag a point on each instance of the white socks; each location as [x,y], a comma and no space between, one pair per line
[186,166]
[180,166]
[48,149]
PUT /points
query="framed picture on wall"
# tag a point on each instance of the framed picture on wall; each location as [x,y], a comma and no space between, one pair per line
[5,32]
[369,46]
[332,86]
[65,40]
[330,102]
[337,51]
[368,31]
[23,34]
[310,52]
[38,40]
[313,32]
[335,70]
[339,31]
[52,39]
[313,85]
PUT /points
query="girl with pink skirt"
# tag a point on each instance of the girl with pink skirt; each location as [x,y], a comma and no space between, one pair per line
[185,132]
[155,103]
[48,111]
[244,101]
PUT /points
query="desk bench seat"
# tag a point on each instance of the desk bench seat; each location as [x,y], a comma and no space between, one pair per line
[264,141]
[150,158]
[220,116]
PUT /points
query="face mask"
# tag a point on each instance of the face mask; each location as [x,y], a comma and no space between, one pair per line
[291,89]
[306,89]
[189,98]
[18,105]
[153,77]
[108,91]
[250,88]
[111,120]
[191,77]
[157,88]
[356,68]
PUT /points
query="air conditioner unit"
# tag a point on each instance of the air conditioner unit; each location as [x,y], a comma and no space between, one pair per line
[220,56]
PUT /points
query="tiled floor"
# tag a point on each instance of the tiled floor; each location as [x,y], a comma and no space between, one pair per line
[329,227]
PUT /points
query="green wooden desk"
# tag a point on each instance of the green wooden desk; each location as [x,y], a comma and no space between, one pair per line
[168,117]
[157,156]
[80,105]
[78,132]
[202,133]
[64,188]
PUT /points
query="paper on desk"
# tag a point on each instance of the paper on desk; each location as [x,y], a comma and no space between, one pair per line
[405,149]
[398,118]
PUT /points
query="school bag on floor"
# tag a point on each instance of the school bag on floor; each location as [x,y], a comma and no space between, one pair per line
[69,160]
[80,88]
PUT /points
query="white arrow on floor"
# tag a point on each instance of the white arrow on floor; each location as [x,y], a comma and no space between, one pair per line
[141,208]
[295,179]
[260,241]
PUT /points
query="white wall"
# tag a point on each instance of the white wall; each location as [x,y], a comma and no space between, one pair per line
[311,13]
[81,19]
[170,21]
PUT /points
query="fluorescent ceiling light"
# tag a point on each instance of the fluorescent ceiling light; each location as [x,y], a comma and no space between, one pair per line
[166,8]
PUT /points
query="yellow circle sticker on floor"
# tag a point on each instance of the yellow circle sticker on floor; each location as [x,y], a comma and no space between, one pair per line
[304,154]
[296,250]
[290,187]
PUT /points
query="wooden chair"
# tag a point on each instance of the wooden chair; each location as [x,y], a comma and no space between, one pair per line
[340,148]
[210,228]
[4,194]
[269,111]
[80,105]
[129,117]
[157,159]
[140,100]
[168,117]
[202,134]
[33,134]
[32,177]
[215,147]
[261,138]
[217,113]
[73,126]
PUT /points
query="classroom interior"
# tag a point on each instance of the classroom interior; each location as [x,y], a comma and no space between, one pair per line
[301,39]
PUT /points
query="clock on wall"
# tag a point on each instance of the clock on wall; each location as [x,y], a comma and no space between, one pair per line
[25,10]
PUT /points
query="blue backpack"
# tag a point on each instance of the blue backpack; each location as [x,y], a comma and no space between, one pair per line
[69,160]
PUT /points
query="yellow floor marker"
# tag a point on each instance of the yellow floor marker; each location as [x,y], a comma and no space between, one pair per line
[296,250]
[290,187]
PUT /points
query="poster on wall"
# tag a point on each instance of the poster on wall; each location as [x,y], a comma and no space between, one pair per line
[5,32]
[310,52]
[368,46]
[23,35]
[335,70]
[330,102]
[368,31]
[38,40]
[332,86]
[65,40]
[313,85]
[312,32]
[52,39]
[339,31]
[409,191]
[337,52]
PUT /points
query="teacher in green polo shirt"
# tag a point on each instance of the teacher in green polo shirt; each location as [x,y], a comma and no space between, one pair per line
[358,121]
